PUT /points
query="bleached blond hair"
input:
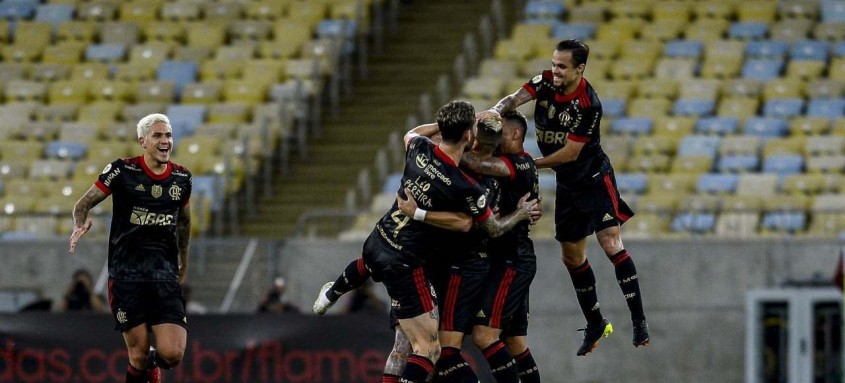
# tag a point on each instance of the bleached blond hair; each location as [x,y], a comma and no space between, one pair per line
[148,121]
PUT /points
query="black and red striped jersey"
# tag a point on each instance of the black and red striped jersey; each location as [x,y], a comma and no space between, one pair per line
[146,206]
[562,117]
[437,184]
[523,179]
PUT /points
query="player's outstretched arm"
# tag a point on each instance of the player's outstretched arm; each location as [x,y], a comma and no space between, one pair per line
[496,227]
[443,219]
[81,222]
[183,239]
[425,130]
[563,155]
[507,104]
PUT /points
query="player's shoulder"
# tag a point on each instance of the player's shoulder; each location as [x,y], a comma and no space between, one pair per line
[544,77]
[419,141]
[179,170]
[127,163]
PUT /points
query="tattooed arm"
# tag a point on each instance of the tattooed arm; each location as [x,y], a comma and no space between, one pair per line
[183,239]
[491,166]
[507,104]
[443,219]
[81,222]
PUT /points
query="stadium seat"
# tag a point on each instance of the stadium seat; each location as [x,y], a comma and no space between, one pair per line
[669,68]
[699,145]
[809,50]
[783,88]
[783,108]
[809,126]
[650,108]
[831,108]
[692,164]
[716,183]
[651,163]
[740,108]
[684,49]
[766,49]
[721,126]
[750,30]
[631,126]
[54,14]
[185,118]
[667,88]
[788,222]
[632,183]
[694,222]
[66,150]
[783,164]
[762,69]
[544,10]
[738,163]
[613,107]
[766,127]
[791,30]
[578,30]
[805,70]
[106,53]
[832,11]
[250,31]
[177,72]
[740,145]
[756,10]
[741,87]
[829,31]
[222,11]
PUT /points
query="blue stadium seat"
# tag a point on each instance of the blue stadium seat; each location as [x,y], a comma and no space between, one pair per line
[785,221]
[65,149]
[762,69]
[683,49]
[738,163]
[108,53]
[815,50]
[15,10]
[547,181]
[631,125]
[184,119]
[832,11]
[771,49]
[177,72]
[632,183]
[544,10]
[332,28]
[831,108]
[748,30]
[210,187]
[783,108]
[783,164]
[766,127]
[613,107]
[694,222]
[717,125]
[54,13]
[579,31]
[838,49]
[716,183]
[693,107]
[698,145]
[391,183]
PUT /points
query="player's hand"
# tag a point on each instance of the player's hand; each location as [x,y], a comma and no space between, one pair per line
[537,212]
[489,113]
[407,206]
[78,232]
[526,207]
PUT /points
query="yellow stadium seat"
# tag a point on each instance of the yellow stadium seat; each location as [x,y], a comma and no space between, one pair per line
[205,34]
[5,36]
[134,112]
[242,91]
[826,224]
[311,11]
[96,11]
[271,71]
[757,11]
[667,88]
[67,53]
[83,132]
[620,29]
[90,71]
[74,30]
[513,50]
[21,53]
[65,112]
[250,30]
[107,90]
[220,70]
[692,164]
[101,113]
[649,107]
[673,126]
[671,10]
[155,91]
[134,73]
[141,12]
[620,90]
[70,91]
[721,67]
[804,183]
[829,31]
[670,68]
[265,10]
[12,168]
[483,87]
[222,11]
[663,30]
[836,70]
[150,54]
[757,184]
[33,33]
[207,92]
[805,70]
[784,145]
[809,126]
[791,30]
[602,49]
[617,146]
[192,53]
[742,87]
[742,107]
[700,89]
[828,163]
[724,10]
[228,112]
[783,88]
[164,31]
[650,163]
[825,88]
[824,145]
[665,145]
[707,29]
[279,49]
[25,91]
[647,225]
[590,13]
[740,145]
[180,11]
[49,72]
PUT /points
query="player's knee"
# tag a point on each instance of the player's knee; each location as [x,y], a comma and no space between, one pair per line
[171,358]
[483,337]
[573,259]
[430,350]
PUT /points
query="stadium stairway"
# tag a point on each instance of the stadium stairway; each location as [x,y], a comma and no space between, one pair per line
[429,37]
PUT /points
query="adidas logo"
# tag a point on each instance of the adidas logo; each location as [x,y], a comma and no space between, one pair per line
[606,217]
[140,187]
[480,314]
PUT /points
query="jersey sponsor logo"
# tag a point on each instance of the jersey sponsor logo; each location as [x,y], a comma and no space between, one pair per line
[522,166]
[175,192]
[132,167]
[537,79]
[482,201]
[120,316]
[143,217]
[551,112]
[140,188]
[112,175]
[179,173]
[156,191]
[550,137]
[422,161]
[106,169]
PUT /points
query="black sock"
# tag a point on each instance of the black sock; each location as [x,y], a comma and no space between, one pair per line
[584,282]
[626,275]
[416,370]
[134,375]
[501,363]
[528,371]
[453,368]
[353,276]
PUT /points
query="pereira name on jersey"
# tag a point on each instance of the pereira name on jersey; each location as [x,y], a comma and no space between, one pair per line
[142,239]
[560,118]
[437,184]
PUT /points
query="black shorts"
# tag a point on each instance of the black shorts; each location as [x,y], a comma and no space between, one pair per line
[135,303]
[460,288]
[518,324]
[506,297]
[593,207]
[411,293]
